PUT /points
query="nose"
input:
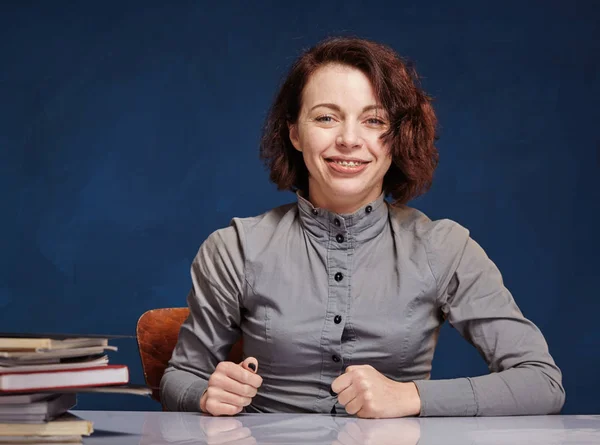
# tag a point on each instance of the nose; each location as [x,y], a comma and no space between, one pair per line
[349,137]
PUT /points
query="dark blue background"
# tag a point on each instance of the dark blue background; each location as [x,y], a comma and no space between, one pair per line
[129,132]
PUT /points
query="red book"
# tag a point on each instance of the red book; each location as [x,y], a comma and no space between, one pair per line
[64,378]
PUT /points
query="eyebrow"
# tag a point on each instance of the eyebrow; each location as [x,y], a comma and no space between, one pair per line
[337,108]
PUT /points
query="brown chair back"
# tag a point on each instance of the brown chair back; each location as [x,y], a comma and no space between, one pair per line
[157,332]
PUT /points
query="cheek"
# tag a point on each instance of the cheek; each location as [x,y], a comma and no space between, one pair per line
[380,149]
[316,140]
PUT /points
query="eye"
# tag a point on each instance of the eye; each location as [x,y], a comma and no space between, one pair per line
[325,119]
[375,121]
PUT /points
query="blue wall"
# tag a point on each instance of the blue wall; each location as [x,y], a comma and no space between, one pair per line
[129,133]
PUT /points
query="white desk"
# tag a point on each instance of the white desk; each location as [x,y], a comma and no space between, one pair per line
[156,428]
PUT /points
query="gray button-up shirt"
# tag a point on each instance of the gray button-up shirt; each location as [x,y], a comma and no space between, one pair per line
[312,292]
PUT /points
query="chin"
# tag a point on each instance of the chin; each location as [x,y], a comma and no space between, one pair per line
[348,191]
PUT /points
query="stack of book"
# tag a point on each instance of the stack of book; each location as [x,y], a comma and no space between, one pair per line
[39,381]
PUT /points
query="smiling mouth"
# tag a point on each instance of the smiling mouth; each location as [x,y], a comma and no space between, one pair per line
[343,163]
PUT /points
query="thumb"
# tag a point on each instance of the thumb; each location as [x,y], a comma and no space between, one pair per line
[251,364]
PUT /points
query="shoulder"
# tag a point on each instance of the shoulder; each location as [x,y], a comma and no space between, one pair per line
[434,233]
[249,230]
[443,240]
[224,253]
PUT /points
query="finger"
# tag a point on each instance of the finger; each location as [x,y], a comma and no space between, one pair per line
[217,408]
[214,427]
[341,383]
[221,395]
[353,406]
[232,386]
[251,364]
[229,436]
[236,372]
[353,368]
[347,395]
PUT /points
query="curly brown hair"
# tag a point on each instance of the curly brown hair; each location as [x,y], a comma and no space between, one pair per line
[412,119]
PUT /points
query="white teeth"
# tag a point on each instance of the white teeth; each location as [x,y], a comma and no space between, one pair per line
[348,163]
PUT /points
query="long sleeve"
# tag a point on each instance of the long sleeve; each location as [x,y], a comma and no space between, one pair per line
[212,328]
[523,379]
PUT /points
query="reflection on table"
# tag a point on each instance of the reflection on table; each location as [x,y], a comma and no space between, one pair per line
[146,428]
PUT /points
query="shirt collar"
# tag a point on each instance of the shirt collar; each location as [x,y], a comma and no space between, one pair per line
[362,225]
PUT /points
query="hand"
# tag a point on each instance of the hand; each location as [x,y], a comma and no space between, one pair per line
[225,431]
[380,432]
[364,391]
[231,387]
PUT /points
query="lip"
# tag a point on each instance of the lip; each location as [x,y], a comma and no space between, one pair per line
[345,171]
[339,159]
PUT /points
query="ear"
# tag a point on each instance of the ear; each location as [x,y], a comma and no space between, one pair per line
[293,129]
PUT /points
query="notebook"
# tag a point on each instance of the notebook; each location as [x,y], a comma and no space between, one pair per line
[41,411]
[66,425]
[69,378]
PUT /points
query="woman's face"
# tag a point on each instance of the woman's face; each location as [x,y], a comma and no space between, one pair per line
[338,132]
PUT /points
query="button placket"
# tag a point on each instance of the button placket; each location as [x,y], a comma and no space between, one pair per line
[338,266]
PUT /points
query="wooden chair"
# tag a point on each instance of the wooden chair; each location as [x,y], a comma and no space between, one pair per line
[157,332]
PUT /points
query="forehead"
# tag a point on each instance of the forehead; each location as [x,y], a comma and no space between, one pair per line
[340,84]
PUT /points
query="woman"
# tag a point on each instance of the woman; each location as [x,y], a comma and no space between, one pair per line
[340,296]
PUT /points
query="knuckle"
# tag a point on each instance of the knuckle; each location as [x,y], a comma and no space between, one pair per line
[244,377]
[224,368]
[221,366]
[211,406]
[216,380]
[232,410]
[249,391]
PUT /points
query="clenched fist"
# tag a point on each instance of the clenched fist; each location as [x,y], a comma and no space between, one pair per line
[231,387]
[364,391]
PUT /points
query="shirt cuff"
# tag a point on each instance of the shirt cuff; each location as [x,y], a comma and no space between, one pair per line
[448,398]
[190,400]
[181,390]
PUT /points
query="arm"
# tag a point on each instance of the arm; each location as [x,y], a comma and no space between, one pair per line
[212,328]
[524,379]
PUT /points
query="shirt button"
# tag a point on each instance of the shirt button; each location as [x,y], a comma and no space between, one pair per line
[315,212]
[335,358]
[338,276]
[339,238]
[337,319]
[337,222]
[368,209]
